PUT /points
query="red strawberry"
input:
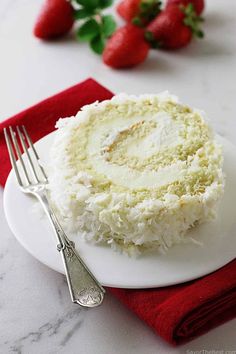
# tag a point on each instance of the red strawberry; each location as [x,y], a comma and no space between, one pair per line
[174,27]
[54,20]
[127,47]
[128,9]
[197,4]
[139,11]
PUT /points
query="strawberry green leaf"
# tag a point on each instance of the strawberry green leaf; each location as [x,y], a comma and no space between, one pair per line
[151,40]
[105,3]
[199,33]
[192,20]
[137,21]
[149,36]
[108,25]
[89,30]
[88,4]
[83,13]
[144,5]
[97,44]
[148,10]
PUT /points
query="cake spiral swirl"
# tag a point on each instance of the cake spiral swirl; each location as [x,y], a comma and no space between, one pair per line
[135,172]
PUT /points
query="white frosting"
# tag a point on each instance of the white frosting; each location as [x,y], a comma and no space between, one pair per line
[97,192]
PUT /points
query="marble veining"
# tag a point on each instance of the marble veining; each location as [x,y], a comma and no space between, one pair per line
[48,330]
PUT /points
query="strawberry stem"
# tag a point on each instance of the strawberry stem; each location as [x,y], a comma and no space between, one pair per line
[148,35]
[192,20]
[148,10]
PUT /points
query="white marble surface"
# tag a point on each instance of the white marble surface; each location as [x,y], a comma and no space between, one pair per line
[36,315]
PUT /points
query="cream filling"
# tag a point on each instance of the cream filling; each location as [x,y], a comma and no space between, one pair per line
[165,134]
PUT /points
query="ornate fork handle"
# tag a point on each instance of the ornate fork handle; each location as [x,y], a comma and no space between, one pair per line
[84,288]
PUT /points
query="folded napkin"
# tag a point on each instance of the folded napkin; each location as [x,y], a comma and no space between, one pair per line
[177,313]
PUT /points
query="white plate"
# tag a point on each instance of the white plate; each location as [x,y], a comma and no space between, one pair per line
[182,263]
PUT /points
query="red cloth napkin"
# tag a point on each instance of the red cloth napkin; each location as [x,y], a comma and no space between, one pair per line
[177,313]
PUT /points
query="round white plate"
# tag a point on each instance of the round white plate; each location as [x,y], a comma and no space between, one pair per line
[182,263]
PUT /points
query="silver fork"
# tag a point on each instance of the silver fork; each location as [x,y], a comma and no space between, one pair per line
[85,290]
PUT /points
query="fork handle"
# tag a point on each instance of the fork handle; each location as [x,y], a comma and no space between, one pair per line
[84,289]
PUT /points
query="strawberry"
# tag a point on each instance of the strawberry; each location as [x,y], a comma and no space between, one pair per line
[126,48]
[128,9]
[197,4]
[139,12]
[174,27]
[55,19]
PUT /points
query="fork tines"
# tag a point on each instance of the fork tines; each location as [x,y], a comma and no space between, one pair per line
[18,142]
